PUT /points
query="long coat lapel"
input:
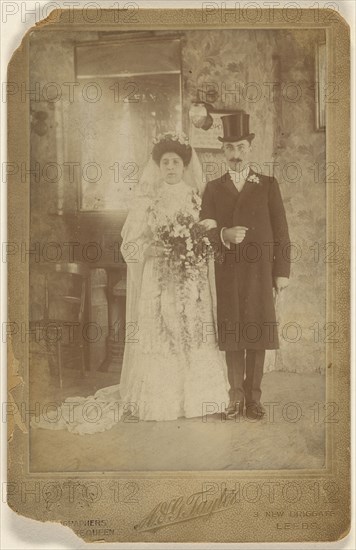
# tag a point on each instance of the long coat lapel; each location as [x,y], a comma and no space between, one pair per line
[230,186]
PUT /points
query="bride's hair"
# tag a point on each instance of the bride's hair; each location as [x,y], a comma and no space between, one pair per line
[172,143]
[151,177]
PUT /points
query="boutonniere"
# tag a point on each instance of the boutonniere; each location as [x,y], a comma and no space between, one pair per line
[253,178]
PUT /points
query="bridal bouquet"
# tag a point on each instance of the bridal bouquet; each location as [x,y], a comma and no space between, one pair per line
[186,252]
[186,247]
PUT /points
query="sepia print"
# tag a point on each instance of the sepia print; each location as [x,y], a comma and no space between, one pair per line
[178,255]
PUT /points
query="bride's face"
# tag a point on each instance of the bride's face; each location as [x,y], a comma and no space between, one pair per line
[172,168]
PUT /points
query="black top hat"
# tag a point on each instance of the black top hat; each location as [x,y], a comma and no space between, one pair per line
[236,127]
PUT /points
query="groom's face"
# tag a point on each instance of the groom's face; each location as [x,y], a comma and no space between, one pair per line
[237,153]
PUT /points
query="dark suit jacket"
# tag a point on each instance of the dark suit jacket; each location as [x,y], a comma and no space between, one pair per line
[244,279]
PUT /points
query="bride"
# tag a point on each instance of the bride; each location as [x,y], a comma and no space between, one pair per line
[172,367]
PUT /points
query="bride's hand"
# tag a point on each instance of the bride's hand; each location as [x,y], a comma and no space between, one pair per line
[208,224]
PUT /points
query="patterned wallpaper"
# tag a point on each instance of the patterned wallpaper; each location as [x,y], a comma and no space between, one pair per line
[304,192]
[233,66]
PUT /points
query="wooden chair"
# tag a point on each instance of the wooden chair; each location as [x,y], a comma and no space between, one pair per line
[64,315]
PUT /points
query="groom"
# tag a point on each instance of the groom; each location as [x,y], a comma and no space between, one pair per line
[252,233]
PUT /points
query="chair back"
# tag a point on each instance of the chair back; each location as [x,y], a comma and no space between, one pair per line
[60,290]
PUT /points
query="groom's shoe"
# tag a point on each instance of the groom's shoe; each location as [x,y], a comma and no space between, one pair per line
[234,410]
[255,410]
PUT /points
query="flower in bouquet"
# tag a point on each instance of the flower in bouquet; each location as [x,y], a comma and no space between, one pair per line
[186,247]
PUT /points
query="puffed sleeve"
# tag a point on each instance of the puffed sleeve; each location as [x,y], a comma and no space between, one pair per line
[136,235]
[135,240]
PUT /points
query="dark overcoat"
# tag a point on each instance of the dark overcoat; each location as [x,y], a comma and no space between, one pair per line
[246,315]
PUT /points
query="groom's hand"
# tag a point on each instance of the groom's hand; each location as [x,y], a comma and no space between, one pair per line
[234,234]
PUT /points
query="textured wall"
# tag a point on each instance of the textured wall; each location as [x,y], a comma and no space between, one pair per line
[297,141]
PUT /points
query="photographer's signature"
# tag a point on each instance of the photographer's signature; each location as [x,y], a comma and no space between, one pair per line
[183,509]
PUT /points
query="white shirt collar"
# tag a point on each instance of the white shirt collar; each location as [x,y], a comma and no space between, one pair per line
[239,176]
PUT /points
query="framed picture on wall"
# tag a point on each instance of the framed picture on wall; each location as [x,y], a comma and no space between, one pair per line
[208,139]
[147,87]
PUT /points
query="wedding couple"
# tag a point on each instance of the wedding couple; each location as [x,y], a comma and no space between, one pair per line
[174,364]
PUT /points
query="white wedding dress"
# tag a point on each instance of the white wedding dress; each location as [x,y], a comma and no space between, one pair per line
[161,378]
